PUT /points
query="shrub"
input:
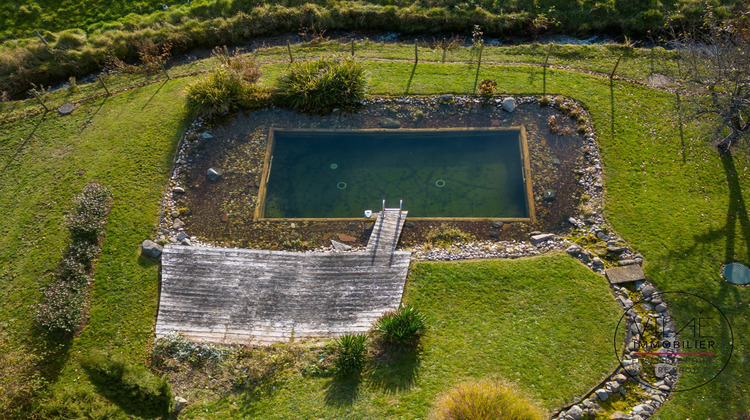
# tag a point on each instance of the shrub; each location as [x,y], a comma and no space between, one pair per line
[318,86]
[60,312]
[216,95]
[175,346]
[484,400]
[401,328]
[73,271]
[70,39]
[244,65]
[487,88]
[133,387]
[76,404]
[350,354]
[89,216]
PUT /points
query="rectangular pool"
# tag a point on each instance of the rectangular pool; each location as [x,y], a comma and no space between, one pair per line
[444,173]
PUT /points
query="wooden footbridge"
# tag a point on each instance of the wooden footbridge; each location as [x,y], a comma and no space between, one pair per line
[228,295]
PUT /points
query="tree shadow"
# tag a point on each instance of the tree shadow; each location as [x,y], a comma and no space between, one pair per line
[342,391]
[25,141]
[154,94]
[411,77]
[93,115]
[396,370]
[612,106]
[680,126]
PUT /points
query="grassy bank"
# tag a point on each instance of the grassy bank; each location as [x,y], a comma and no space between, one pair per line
[674,198]
[486,319]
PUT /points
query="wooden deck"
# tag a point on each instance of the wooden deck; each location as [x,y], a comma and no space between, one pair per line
[226,295]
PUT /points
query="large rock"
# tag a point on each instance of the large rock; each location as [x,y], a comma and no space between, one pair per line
[662,369]
[509,104]
[625,274]
[179,404]
[602,394]
[618,415]
[541,238]
[575,412]
[151,249]
[648,290]
[214,174]
[338,246]
[633,368]
[390,123]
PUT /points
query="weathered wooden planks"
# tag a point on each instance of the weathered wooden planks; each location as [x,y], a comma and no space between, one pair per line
[228,295]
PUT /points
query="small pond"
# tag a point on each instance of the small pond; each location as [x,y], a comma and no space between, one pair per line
[438,173]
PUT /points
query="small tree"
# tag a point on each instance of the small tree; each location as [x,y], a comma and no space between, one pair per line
[715,61]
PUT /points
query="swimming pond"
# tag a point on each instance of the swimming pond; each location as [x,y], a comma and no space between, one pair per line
[478,173]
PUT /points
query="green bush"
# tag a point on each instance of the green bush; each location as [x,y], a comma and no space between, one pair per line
[60,312]
[132,387]
[318,86]
[90,212]
[401,328]
[70,40]
[445,235]
[76,404]
[484,400]
[350,354]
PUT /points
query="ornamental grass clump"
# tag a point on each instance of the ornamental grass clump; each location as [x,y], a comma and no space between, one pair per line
[350,354]
[484,400]
[230,86]
[320,85]
[401,328]
[61,310]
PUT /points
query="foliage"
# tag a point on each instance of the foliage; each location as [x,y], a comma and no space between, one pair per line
[485,400]
[20,377]
[716,62]
[76,404]
[487,88]
[319,85]
[60,312]
[244,65]
[445,235]
[175,346]
[401,328]
[350,354]
[90,211]
[228,87]
[131,386]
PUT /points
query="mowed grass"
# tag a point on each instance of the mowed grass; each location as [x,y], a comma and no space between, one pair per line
[537,323]
[672,196]
[124,142]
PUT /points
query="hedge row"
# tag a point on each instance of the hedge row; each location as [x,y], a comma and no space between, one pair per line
[61,310]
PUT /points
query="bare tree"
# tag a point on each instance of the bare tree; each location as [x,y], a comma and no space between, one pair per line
[715,62]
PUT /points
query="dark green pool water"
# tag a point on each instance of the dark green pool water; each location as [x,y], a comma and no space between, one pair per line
[461,173]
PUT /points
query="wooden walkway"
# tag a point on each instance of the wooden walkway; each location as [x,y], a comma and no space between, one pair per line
[386,233]
[228,295]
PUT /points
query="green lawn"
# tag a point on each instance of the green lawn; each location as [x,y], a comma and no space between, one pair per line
[672,197]
[486,319]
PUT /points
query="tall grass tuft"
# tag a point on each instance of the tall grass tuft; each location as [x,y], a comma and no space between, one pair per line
[318,86]
[484,400]
[350,352]
[401,328]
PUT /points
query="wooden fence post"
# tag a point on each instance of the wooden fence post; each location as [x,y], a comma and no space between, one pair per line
[289,49]
[38,98]
[101,80]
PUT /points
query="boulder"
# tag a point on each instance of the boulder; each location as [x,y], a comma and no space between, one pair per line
[338,246]
[661,307]
[206,136]
[574,250]
[602,394]
[346,238]
[391,123]
[151,249]
[662,369]
[178,190]
[179,404]
[509,104]
[618,415]
[214,174]
[575,412]
[634,368]
[536,240]
[66,109]
[178,224]
[648,290]
[549,195]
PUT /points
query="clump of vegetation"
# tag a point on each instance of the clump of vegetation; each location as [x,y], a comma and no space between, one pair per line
[544,100]
[20,376]
[61,310]
[487,89]
[401,328]
[76,404]
[350,354]
[175,346]
[485,400]
[445,235]
[131,386]
[318,86]
[230,86]
[557,125]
